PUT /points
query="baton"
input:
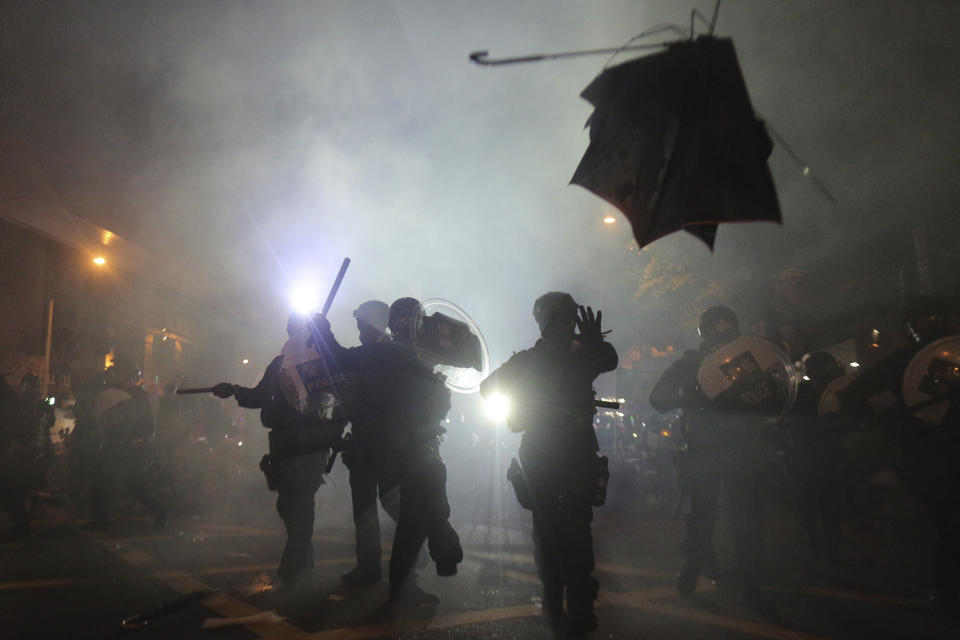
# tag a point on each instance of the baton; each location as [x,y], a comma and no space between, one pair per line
[335,288]
[181,392]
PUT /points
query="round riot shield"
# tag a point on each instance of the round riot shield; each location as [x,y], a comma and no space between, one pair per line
[750,375]
[445,337]
[932,378]
[830,398]
[115,413]
[307,380]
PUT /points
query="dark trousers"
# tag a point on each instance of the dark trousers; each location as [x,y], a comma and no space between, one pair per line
[742,493]
[297,480]
[366,482]
[562,539]
[424,514]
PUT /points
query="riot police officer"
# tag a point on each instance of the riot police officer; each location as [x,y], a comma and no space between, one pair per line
[814,458]
[928,450]
[300,447]
[368,463]
[124,452]
[723,450]
[551,394]
[396,396]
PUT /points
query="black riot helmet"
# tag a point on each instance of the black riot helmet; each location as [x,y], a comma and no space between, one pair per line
[553,307]
[821,367]
[403,315]
[296,322]
[927,318]
[718,325]
[372,317]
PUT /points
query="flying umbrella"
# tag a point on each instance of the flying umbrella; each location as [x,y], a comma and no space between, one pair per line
[675,144]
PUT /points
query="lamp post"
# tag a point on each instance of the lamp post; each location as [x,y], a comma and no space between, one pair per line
[45,384]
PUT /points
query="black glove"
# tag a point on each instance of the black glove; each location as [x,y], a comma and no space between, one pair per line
[323,330]
[589,326]
[223,390]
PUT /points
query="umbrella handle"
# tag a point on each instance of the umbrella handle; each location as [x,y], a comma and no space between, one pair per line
[482,57]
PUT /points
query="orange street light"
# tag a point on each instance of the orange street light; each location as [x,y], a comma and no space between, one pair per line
[99,261]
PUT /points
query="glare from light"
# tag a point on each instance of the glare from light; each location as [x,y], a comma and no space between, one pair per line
[497,407]
[245,361]
[854,364]
[51,401]
[609,219]
[304,298]
[99,261]
[635,436]
[240,444]
[806,378]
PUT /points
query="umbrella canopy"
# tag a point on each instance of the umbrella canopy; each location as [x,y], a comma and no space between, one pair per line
[674,143]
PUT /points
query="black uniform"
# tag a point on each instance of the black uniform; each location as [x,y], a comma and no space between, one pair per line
[299,451]
[550,386]
[722,450]
[373,472]
[928,457]
[19,451]
[399,403]
[814,467]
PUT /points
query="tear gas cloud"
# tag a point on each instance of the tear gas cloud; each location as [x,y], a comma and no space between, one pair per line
[262,142]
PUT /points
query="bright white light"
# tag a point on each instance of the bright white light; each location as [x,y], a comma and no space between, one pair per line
[304,298]
[497,406]
[609,219]
[854,364]
[246,361]
[806,378]
[240,444]
[51,401]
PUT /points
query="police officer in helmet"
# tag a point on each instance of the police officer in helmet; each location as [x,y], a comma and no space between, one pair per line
[550,388]
[300,447]
[366,458]
[722,451]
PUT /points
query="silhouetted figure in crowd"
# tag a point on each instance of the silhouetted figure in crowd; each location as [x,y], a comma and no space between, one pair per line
[550,387]
[927,435]
[393,390]
[123,454]
[24,451]
[368,460]
[814,458]
[724,450]
[300,447]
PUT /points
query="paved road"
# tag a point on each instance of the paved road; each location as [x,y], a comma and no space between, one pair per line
[69,583]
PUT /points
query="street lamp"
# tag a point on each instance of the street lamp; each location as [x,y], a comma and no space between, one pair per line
[99,261]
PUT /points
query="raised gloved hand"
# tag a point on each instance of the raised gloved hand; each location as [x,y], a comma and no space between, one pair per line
[323,330]
[223,390]
[588,325]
